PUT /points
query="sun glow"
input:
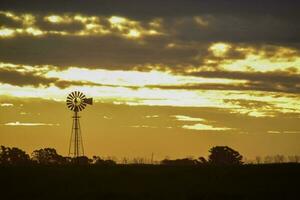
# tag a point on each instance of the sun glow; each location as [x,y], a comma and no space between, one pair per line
[115,20]
[55,19]
[7,32]
[132,78]
[219,49]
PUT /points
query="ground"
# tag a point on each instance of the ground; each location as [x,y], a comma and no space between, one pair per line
[277,181]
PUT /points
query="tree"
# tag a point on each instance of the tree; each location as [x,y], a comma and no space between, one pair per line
[223,155]
[47,156]
[202,160]
[13,156]
[99,161]
[181,162]
[81,160]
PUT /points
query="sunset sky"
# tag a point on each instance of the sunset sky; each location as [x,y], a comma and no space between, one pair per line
[173,78]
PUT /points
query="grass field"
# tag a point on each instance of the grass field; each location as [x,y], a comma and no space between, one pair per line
[276,181]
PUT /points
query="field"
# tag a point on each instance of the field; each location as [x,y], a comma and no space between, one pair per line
[277,181]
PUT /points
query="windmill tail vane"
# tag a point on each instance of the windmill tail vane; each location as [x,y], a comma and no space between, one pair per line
[76,102]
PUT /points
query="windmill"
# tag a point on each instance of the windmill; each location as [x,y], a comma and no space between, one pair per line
[76,102]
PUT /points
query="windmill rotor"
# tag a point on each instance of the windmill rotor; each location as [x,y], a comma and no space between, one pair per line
[76,101]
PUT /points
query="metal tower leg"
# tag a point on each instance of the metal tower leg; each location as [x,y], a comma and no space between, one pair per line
[76,144]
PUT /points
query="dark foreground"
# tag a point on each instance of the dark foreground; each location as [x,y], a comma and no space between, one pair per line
[279,181]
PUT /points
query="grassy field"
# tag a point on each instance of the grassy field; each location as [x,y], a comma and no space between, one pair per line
[278,181]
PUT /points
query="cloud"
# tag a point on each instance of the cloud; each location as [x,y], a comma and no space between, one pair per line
[110,52]
[204,127]
[123,37]
[242,57]
[17,77]
[276,81]
[76,25]
[6,105]
[146,9]
[17,123]
[152,116]
[187,118]
[248,86]
[215,117]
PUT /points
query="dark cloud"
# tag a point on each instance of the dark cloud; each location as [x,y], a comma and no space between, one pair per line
[275,77]
[250,104]
[249,24]
[252,23]
[239,87]
[278,81]
[66,27]
[157,8]
[32,79]
[234,28]
[8,22]
[94,52]
[20,79]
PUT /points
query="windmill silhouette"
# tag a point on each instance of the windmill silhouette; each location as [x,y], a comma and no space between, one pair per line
[76,102]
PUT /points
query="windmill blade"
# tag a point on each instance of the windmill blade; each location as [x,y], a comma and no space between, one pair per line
[75,94]
[71,107]
[81,95]
[81,107]
[72,95]
[88,101]
[69,98]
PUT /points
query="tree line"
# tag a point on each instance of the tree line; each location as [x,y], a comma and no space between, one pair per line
[45,156]
[219,155]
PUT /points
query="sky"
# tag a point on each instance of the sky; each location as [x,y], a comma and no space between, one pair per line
[168,78]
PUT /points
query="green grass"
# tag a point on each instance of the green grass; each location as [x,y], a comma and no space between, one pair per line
[277,181]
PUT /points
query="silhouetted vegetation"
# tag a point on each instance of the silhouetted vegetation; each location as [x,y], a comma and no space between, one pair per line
[99,161]
[48,175]
[178,162]
[219,155]
[223,155]
[13,156]
[48,156]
